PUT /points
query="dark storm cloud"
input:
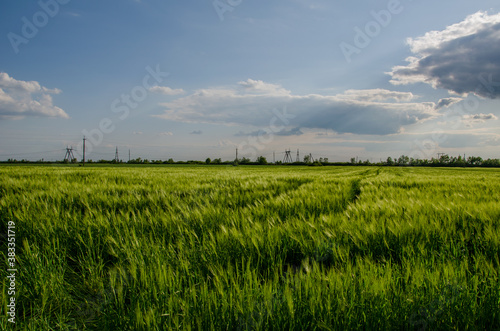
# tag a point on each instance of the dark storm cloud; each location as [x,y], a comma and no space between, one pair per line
[464,58]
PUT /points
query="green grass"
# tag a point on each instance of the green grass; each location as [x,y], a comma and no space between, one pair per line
[242,248]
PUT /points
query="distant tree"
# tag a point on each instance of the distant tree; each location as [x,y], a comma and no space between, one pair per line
[217,161]
[444,159]
[208,161]
[403,160]
[459,162]
[245,160]
[307,159]
[389,161]
[491,163]
[474,160]
[135,161]
[353,160]
[261,160]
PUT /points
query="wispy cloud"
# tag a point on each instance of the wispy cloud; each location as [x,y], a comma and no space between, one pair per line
[258,86]
[377,95]
[165,90]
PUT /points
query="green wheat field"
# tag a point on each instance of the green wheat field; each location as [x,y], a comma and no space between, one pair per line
[252,248]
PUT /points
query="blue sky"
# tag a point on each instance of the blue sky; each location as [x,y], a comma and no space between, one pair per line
[197,79]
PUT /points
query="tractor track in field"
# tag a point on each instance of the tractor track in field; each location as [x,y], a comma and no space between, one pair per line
[356,185]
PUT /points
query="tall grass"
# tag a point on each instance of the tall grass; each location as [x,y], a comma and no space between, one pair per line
[240,248]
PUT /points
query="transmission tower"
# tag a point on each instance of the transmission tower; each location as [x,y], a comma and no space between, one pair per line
[298,156]
[69,154]
[288,157]
[117,159]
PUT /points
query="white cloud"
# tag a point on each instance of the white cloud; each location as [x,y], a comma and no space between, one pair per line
[166,134]
[166,90]
[377,95]
[137,132]
[342,113]
[26,98]
[261,87]
[434,40]
[463,58]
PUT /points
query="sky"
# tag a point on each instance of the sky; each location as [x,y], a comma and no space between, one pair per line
[195,79]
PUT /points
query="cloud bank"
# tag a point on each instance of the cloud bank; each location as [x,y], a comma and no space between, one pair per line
[251,103]
[463,58]
[19,99]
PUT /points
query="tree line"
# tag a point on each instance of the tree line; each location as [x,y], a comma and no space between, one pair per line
[402,161]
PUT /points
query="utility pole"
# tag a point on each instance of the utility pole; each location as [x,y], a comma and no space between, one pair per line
[84,151]
[298,156]
[236,155]
[129,155]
